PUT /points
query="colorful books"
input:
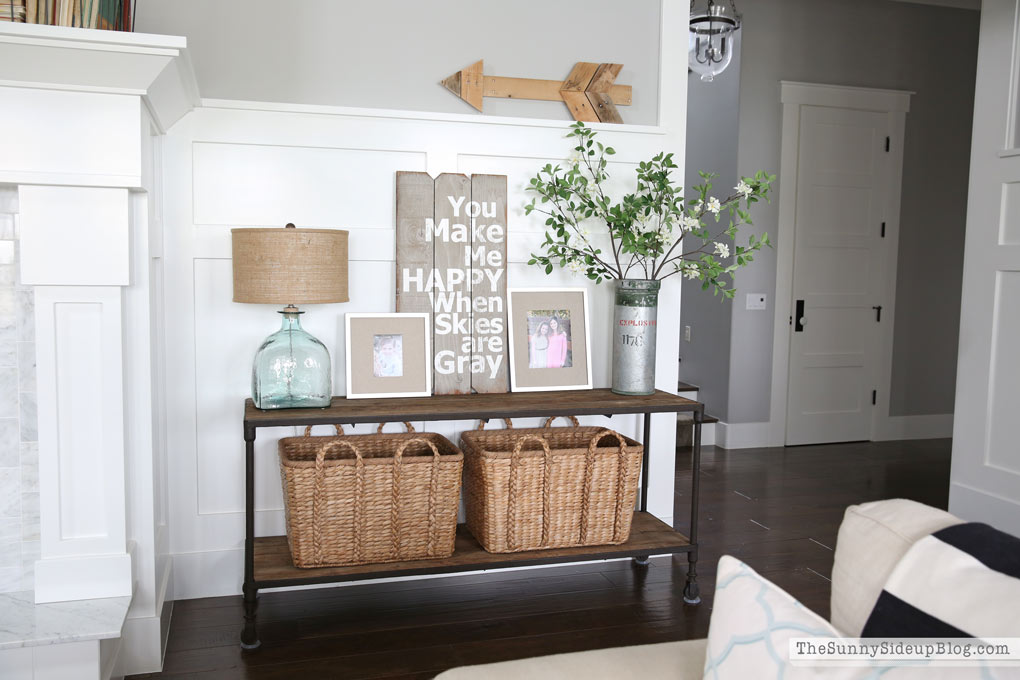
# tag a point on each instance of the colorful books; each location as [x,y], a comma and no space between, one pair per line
[113,15]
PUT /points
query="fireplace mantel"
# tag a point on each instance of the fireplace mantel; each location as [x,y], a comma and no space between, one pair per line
[89,108]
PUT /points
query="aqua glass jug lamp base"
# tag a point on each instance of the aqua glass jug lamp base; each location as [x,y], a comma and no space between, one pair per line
[292,368]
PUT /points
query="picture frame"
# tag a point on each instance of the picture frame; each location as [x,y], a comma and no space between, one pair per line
[388,355]
[550,339]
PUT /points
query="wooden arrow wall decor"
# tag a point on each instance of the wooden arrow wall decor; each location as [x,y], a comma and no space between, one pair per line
[589,91]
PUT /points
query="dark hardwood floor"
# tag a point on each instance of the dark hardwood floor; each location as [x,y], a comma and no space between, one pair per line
[776,509]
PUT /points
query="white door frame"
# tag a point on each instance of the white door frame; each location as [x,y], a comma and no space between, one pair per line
[895,103]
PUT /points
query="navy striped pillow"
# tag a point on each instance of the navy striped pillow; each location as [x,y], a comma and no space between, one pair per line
[962,581]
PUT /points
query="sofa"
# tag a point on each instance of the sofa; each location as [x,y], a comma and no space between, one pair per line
[872,539]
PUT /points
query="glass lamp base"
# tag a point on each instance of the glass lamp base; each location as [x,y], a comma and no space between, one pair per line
[291,369]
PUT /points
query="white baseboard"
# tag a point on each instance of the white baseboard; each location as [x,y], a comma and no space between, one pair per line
[938,426]
[976,505]
[144,637]
[742,435]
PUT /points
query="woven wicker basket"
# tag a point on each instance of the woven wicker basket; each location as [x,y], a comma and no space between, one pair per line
[360,499]
[545,487]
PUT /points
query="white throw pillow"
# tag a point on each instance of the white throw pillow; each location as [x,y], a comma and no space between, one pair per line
[752,623]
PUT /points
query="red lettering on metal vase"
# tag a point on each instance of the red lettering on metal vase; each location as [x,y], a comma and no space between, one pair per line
[637,322]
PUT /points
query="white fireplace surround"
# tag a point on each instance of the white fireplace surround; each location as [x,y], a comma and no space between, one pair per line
[90,109]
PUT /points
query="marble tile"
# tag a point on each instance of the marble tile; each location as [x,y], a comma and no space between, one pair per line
[8,199]
[8,393]
[30,528]
[8,273]
[10,553]
[10,493]
[10,528]
[10,579]
[7,226]
[6,251]
[8,353]
[10,443]
[30,467]
[26,367]
[29,417]
[25,313]
[23,623]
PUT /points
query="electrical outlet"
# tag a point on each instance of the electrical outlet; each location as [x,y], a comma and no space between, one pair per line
[756,301]
[687,333]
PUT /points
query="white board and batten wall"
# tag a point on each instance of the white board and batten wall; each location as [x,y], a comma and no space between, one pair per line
[985,476]
[231,164]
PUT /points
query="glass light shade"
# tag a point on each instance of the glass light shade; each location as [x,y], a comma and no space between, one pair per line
[292,368]
[710,39]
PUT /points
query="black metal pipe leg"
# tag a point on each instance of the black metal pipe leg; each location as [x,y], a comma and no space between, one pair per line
[692,594]
[250,634]
[640,561]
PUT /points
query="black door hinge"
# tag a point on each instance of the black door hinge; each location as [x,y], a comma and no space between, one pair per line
[883,230]
[887,145]
[878,313]
[874,397]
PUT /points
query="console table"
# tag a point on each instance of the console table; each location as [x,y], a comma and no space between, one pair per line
[267,559]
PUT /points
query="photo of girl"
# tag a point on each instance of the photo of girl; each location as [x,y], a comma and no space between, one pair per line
[549,339]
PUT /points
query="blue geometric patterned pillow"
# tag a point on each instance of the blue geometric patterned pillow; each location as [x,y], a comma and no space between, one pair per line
[752,623]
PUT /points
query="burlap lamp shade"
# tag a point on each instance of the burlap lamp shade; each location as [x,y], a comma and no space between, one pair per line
[290,266]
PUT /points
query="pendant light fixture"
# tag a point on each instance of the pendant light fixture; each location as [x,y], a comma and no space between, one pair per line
[710,42]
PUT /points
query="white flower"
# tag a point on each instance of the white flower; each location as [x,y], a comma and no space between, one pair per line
[690,223]
[696,207]
[574,158]
[575,266]
[690,270]
[722,249]
[714,206]
[666,235]
[744,189]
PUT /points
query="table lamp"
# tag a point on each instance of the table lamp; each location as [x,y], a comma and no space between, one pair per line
[293,267]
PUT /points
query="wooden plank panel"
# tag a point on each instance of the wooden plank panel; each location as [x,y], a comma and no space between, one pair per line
[489,359]
[541,90]
[468,406]
[415,210]
[471,84]
[451,293]
[598,93]
[649,535]
[573,92]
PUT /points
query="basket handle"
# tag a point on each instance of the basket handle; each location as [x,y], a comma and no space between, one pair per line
[511,508]
[407,425]
[589,470]
[319,492]
[339,430]
[398,458]
[506,421]
[572,419]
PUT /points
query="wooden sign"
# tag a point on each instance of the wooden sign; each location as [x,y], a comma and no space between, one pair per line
[589,91]
[451,262]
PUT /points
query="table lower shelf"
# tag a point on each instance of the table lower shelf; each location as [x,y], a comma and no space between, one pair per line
[648,536]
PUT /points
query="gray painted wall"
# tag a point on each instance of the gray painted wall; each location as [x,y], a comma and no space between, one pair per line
[868,43]
[712,121]
[393,53]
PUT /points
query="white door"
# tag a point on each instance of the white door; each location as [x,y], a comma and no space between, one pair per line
[985,477]
[843,181]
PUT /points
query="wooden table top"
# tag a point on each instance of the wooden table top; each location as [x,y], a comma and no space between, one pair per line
[470,407]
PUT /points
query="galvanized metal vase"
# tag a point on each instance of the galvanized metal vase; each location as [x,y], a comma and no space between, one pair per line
[634,326]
